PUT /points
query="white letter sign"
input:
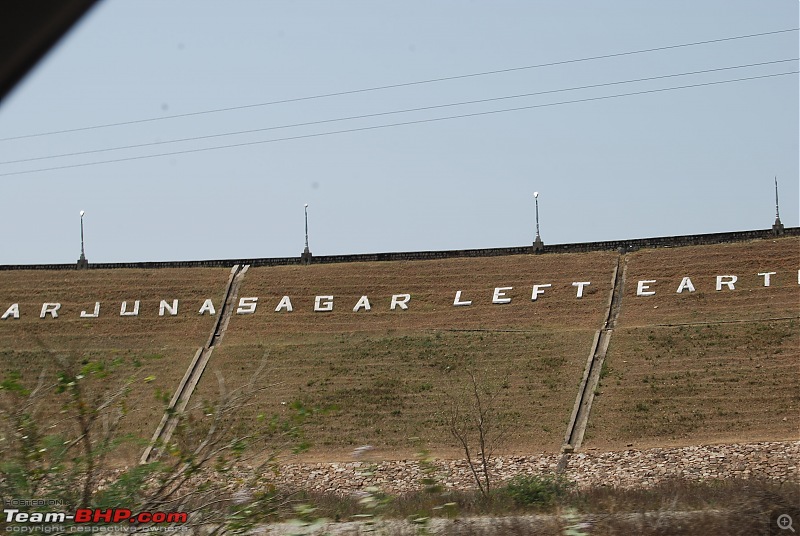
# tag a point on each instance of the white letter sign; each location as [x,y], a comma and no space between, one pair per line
[686,284]
[401,300]
[285,304]
[537,291]
[727,280]
[51,309]
[95,314]
[766,275]
[458,301]
[12,311]
[123,311]
[363,303]
[642,286]
[164,307]
[247,306]
[323,306]
[207,307]
[499,295]
[580,285]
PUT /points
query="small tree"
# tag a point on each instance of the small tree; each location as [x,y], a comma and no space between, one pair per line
[63,463]
[478,426]
[62,455]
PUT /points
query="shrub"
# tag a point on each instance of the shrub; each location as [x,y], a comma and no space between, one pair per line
[539,491]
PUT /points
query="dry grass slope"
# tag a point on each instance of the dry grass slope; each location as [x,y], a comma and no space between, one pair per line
[145,346]
[709,366]
[384,375]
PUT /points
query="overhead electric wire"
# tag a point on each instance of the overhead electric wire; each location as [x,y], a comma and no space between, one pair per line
[379,114]
[390,125]
[402,84]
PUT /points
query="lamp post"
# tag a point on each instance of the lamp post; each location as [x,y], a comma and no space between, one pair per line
[538,245]
[305,258]
[777,227]
[83,263]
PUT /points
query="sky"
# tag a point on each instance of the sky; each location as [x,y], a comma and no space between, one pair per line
[683,161]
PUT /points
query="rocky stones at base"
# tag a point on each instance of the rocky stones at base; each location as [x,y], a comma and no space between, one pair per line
[777,461]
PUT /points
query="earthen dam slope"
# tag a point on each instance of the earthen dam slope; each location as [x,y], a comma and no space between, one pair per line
[701,343]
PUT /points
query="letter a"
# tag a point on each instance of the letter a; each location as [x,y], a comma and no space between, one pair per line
[12,311]
[286,304]
[363,303]
[686,284]
[207,307]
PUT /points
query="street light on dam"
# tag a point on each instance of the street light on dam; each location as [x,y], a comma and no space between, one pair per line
[305,258]
[777,227]
[83,263]
[538,245]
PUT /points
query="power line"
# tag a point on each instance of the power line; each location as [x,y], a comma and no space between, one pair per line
[379,114]
[403,84]
[390,125]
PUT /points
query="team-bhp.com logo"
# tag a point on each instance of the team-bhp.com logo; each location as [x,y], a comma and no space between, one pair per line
[119,515]
[94,515]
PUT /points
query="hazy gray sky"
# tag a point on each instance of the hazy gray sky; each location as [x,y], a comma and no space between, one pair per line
[694,160]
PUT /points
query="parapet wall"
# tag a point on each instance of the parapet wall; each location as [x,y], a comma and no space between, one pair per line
[579,247]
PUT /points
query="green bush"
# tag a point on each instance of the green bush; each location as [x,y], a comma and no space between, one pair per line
[539,491]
